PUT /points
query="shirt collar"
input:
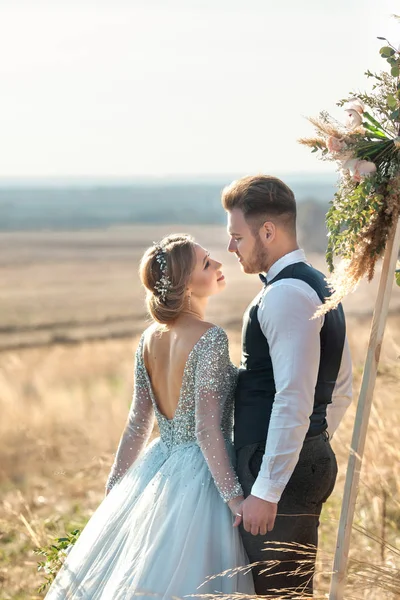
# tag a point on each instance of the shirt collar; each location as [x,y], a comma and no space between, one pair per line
[286,260]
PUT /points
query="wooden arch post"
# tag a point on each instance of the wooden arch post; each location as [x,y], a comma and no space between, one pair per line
[362,416]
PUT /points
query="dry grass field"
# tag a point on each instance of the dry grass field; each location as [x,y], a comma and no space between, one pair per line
[71,310]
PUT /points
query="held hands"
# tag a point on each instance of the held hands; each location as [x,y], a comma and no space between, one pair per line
[236,508]
[258,515]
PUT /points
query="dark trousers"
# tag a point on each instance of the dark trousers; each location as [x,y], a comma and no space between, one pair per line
[287,554]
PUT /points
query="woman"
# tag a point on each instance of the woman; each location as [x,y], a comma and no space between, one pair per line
[168,522]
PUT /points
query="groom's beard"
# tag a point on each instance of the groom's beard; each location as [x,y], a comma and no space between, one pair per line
[257,261]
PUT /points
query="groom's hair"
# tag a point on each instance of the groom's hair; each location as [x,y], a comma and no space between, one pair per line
[262,198]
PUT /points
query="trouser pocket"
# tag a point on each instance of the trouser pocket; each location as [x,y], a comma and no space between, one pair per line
[314,476]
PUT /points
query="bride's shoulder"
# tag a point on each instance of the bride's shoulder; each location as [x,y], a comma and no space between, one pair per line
[213,334]
[149,334]
[213,347]
[199,335]
[203,327]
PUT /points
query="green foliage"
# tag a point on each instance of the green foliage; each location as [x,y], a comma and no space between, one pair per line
[380,100]
[395,71]
[55,555]
[353,209]
[373,127]
[383,153]
[392,56]
[397,276]
[387,51]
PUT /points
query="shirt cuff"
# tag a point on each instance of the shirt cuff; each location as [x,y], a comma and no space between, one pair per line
[268,490]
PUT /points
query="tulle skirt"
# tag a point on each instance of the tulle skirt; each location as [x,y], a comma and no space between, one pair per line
[162,532]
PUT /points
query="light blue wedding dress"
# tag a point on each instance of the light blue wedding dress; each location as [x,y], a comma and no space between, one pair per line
[165,530]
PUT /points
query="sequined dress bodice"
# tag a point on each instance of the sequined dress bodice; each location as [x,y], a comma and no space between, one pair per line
[181,429]
[203,416]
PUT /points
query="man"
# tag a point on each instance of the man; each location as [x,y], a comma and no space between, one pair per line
[293,389]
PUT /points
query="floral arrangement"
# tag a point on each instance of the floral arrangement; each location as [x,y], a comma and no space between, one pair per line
[367,202]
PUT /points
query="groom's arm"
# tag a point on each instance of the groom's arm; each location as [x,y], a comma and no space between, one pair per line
[285,317]
[342,394]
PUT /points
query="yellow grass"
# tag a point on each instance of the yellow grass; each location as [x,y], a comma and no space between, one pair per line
[63,405]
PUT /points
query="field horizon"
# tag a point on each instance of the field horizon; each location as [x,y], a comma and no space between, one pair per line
[79,203]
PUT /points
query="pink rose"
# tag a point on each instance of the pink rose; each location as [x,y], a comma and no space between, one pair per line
[355,104]
[363,169]
[353,119]
[350,164]
[359,168]
[334,144]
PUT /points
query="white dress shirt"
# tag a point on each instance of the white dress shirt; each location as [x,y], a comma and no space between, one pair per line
[285,317]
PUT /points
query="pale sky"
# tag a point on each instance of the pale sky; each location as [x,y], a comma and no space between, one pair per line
[177,87]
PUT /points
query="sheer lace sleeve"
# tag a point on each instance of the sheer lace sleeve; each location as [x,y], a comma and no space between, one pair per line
[139,423]
[212,386]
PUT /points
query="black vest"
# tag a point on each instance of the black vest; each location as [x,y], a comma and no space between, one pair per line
[255,391]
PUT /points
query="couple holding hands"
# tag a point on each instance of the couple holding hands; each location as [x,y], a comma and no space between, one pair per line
[243,463]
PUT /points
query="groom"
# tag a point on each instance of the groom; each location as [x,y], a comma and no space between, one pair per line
[293,389]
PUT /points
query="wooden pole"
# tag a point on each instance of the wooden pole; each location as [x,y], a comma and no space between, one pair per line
[362,416]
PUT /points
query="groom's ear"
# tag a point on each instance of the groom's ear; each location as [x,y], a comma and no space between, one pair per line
[268,231]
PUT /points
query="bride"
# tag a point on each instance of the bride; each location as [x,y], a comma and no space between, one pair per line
[168,524]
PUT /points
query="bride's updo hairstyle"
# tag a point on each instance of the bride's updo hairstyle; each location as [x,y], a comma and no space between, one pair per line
[165,271]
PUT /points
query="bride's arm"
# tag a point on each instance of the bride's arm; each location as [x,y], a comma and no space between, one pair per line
[211,392]
[139,424]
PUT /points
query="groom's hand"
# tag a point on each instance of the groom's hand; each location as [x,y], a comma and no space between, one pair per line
[258,515]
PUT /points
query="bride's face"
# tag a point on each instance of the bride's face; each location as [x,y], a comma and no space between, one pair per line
[207,278]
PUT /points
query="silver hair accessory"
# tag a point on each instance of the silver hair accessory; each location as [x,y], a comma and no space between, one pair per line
[163,285]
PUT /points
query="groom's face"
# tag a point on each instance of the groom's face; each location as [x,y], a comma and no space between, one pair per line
[246,243]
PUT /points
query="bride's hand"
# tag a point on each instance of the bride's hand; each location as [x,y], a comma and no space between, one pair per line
[235,506]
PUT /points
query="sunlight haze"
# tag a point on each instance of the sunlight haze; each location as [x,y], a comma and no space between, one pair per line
[114,88]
